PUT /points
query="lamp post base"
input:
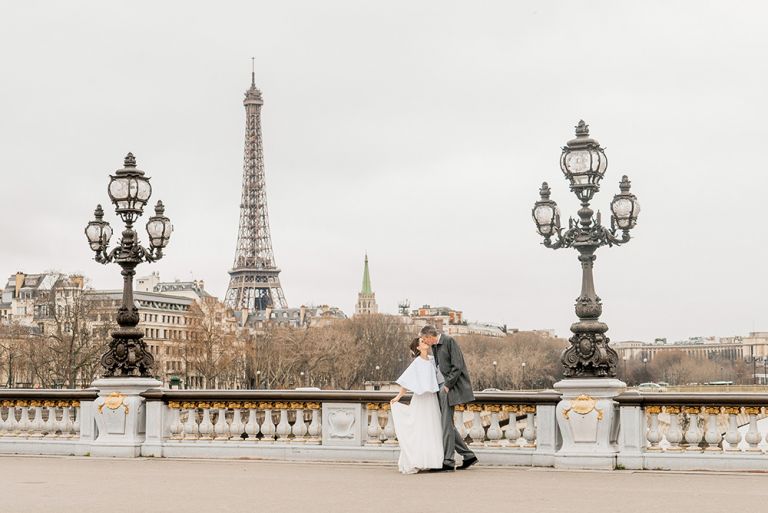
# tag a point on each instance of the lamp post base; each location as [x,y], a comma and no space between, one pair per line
[588,419]
[120,415]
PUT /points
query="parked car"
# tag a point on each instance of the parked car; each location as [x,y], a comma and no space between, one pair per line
[651,387]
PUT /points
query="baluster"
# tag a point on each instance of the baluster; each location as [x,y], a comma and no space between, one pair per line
[37,425]
[389,435]
[60,429]
[283,427]
[66,424]
[176,428]
[674,433]
[58,424]
[752,437]
[315,429]
[206,426]
[268,426]
[252,424]
[712,436]
[24,423]
[765,410]
[732,435]
[458,420]
[512,433]
[529,433]
[694,434]
[8,427]
[49,429]
[221,428]
[383,407]
[3,429]
[374,428]
[14,428]
[76,421]
[476,432]
[299,429]
[236,427]
[494,429]
[191,429]
[653,434]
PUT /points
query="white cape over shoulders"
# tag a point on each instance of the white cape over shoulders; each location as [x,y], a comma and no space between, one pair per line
[417,425]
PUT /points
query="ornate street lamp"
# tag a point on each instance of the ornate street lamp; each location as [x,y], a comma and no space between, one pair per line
[584,163]
[129,190]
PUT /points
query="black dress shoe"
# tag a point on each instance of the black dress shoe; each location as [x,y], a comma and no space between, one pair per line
[444,468]
[468,463]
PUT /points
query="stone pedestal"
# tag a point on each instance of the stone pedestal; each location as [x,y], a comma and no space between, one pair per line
[588,419]
[120,416]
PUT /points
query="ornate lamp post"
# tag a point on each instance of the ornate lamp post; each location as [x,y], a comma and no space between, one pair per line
[130,191]
[584,163]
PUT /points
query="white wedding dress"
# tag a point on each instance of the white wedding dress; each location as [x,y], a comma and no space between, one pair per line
[417,425]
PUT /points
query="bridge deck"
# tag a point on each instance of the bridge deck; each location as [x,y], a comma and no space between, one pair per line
[70,484]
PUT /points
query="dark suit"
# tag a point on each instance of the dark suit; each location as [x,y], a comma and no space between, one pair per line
[450,360]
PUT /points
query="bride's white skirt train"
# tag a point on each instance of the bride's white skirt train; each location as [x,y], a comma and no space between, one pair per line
[419,433]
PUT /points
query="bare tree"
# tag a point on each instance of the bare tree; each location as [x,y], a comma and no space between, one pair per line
[211,352]
[74,335]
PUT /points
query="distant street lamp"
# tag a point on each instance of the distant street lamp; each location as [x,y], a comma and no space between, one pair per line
[625,365]
[495,381]
[523,383]
[302,380]
[129,190]
[584,163]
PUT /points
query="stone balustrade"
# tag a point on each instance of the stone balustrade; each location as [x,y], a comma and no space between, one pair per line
[694,431]
[335,425]
[716,431]
[43,421]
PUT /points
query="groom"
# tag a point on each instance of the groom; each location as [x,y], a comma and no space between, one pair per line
[456,389]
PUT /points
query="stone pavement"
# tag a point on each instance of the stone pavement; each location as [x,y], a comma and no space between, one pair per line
[31,484]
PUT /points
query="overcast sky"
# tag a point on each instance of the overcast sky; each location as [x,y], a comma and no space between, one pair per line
[418,131]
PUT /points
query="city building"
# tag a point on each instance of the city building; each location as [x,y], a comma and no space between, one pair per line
[302,317]
[366,298]
[438,316]
[752,347]
[27,299]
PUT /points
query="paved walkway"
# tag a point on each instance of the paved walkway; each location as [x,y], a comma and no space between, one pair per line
[85,485]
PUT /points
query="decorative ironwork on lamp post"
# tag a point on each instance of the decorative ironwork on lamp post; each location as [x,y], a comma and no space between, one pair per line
[584,163]
[130,191]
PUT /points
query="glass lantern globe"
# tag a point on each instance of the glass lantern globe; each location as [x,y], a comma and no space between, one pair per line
[583,162]
[98,232]
[159,228]
[546,215]
[625,207]
[129,190]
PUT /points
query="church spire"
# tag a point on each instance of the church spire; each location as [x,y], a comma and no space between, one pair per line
[366,278]
[366,299]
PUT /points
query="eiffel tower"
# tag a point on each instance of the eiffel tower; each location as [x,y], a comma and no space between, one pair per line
[254,283]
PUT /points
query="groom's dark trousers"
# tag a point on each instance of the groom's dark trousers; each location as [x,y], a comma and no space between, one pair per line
[450,361]
[452,441]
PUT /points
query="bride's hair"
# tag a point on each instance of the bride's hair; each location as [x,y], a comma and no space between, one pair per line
[415,347]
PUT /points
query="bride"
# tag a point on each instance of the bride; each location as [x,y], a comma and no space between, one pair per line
[418,425]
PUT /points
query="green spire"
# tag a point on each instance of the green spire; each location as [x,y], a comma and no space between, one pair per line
[366,278]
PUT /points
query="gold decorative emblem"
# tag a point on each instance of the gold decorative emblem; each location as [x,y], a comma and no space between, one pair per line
[113,402]
[582,405]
